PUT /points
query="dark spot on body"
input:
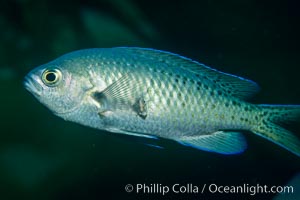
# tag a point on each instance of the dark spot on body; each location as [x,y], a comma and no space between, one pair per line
[151,81]
[186,98]
[179,96]
[168,101]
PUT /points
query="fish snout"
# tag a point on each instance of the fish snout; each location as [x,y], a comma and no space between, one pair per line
[31,85]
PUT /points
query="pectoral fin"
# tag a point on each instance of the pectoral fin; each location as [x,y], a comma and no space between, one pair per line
[118,95]
[219,142]
[122,94]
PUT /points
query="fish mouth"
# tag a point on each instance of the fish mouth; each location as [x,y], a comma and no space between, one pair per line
[31,85]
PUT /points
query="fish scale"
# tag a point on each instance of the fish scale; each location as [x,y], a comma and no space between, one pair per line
[151,93]
[163,86]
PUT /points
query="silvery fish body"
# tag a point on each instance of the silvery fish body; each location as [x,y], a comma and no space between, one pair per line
[146,92]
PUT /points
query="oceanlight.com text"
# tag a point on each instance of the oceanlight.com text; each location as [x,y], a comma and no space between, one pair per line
[189,188]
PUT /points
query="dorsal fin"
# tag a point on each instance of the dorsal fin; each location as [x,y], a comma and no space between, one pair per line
[229,84]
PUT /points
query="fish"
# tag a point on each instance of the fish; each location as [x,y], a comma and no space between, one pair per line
[156,94]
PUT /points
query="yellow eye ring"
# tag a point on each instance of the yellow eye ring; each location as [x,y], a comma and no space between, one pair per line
[51,77]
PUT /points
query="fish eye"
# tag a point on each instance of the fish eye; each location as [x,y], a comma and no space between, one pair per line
[51,77]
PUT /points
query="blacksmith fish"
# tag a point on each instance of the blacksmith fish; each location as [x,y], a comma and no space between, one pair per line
[152,93]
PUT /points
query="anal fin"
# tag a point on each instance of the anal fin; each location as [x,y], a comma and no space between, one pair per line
[131,133]
[222,142]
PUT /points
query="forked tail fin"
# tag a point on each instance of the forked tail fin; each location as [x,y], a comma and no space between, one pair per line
[272,116]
